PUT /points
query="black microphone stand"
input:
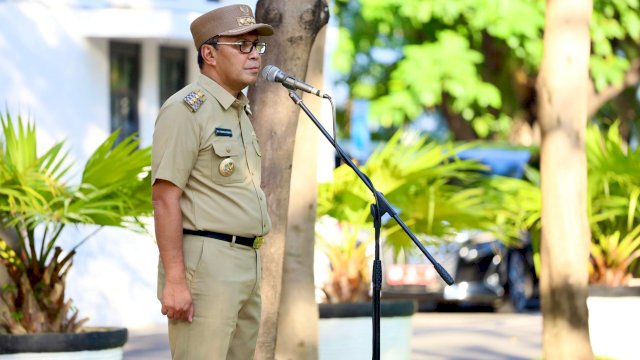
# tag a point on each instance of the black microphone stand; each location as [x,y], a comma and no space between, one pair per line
[379,209]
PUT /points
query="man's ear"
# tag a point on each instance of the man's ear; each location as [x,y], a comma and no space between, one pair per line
[208,54]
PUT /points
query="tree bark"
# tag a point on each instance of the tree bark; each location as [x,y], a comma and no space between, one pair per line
[296,25]
[628,109]
[459,127]
[298,321]
[563,92]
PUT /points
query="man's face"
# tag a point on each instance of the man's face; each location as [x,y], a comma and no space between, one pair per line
[235,69]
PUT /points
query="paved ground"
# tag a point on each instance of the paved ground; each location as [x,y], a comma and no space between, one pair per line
[436,336]
[147,344]
[477,336]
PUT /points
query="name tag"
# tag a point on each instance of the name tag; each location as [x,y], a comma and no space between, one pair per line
[223,132]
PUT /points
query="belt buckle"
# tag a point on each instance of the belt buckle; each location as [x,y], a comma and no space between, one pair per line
[257,242]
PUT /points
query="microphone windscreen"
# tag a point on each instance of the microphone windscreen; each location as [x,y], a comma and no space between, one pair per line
[269,73]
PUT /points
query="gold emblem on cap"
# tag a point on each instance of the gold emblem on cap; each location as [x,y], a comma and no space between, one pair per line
[246,21]
[227,167]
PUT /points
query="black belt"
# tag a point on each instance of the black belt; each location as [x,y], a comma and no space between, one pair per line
[218,236]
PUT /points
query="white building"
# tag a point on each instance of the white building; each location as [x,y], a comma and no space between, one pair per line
[79,70]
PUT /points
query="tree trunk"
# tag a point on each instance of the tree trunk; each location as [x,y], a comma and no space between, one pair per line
[459,127]
[298,321]
[626,105]
[296,25]
[563,89]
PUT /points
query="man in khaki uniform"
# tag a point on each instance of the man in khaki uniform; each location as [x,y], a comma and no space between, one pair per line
[210,212]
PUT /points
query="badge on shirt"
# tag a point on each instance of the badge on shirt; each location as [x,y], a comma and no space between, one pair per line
[223,132]
[227,166]
[194,99]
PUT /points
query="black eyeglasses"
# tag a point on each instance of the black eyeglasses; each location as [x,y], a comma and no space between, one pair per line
[246,46]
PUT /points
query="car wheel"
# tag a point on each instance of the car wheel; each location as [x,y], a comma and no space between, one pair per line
[519,285]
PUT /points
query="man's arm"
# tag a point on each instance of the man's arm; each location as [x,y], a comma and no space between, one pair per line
[176,298]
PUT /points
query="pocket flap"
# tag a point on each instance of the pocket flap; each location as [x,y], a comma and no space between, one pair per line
[227,148]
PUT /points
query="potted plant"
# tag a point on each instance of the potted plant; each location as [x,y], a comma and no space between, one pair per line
[423,179]
[614,213]
[612,257]
[37,202]
[347,247]
[614,191]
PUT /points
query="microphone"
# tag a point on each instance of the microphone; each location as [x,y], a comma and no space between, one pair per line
[272,73]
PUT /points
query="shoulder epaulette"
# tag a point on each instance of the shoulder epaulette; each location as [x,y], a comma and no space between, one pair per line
[194,99]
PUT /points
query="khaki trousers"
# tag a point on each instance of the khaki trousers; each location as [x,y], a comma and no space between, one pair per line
[224,280]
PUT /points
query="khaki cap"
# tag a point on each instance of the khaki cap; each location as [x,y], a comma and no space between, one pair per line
[227,20]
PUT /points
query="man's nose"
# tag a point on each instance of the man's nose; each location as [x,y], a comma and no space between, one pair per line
[254,53]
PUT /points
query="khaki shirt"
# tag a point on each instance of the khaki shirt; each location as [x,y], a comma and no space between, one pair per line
[188,149]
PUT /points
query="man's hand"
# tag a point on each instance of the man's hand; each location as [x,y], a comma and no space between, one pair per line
[176,302]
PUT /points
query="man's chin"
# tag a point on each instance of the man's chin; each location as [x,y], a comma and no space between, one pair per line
[250,80]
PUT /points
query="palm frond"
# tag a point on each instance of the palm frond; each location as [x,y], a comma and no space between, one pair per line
[425,180]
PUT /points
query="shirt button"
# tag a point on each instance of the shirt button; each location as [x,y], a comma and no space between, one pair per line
[228,149]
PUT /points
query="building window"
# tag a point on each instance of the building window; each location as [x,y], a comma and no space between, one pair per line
[173,71]
[125,87]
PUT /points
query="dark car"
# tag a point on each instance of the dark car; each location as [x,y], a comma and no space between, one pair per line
[485,271]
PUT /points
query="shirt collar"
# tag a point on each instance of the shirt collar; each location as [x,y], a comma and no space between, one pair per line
[224,98]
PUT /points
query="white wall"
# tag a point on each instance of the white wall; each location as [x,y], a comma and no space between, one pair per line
[53,76]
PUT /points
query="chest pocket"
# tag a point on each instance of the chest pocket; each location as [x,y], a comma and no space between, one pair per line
[229,164]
